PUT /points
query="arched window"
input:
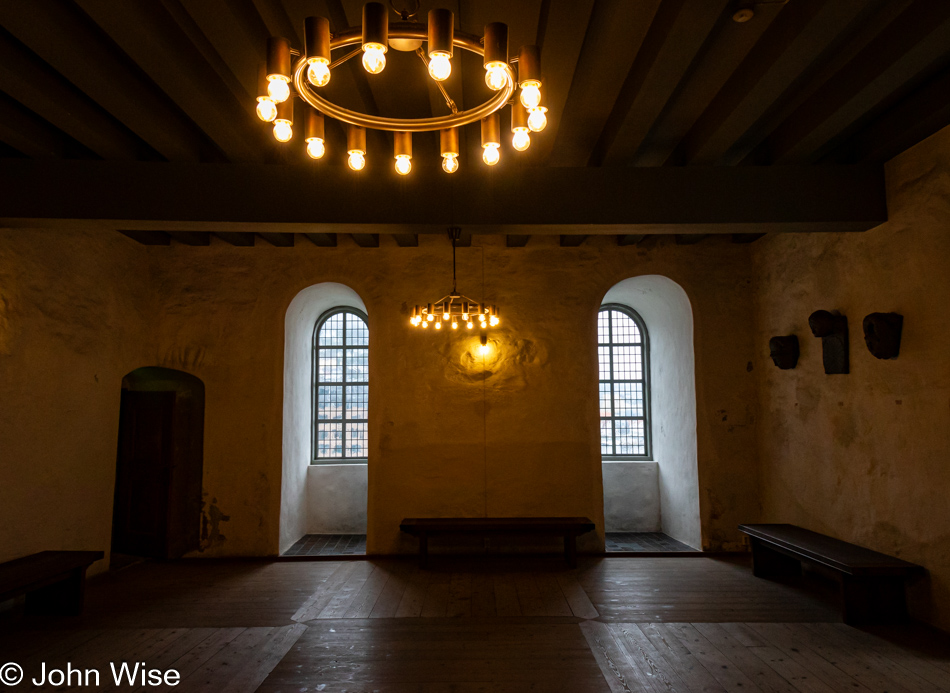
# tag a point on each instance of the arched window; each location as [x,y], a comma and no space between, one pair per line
[623,351]
[340,386]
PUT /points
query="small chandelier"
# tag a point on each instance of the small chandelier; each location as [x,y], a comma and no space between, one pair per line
[455,309]
[313,70]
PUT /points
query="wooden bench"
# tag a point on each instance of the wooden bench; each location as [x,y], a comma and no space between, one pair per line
[567,527]
[53,581]
[872,583]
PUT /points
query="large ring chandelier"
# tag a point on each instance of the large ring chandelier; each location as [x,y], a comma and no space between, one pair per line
[516,82]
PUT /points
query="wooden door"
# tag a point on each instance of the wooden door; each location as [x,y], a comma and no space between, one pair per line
[143,473]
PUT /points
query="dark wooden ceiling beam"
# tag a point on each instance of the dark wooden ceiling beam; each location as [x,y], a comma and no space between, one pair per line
[516,240]
[279,240]
[406,240]
[196,238]
[727,46]
[153,39]
[746,237]
[366,240]
[33,83]
[26,132]
[614,35]
[59,33]
[678,32]
[909,45]
[727,199]
[786,51]
[690,238]
[911,120]
[244,240]
[323,240]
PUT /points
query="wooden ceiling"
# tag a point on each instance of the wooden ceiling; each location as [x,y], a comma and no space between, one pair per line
[647,84]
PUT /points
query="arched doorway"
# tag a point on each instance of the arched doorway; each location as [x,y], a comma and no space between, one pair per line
[157,507]
[667,482]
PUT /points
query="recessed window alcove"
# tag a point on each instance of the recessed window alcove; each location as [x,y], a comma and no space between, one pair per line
[659,494]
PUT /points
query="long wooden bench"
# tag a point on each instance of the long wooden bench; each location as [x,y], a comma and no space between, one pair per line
[872,583]
[53,581]
[567,527]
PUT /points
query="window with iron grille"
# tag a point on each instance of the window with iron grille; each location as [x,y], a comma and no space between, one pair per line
[340,387]
[623,354]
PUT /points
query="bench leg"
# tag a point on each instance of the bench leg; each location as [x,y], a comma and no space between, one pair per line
[423,549]
[61,598]
[570,549]
[767,562]
[873,600]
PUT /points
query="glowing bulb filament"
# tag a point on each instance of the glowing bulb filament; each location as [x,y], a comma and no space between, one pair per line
[530,95]
[374,58]
[316,148]
[440,66]
[521,140]
[266,109]
[319,72]
[450,163]
[356,160]
[490,154]
[438,326]
[283,130]
[403,165]
[277,88]
[537,120]
[495,76]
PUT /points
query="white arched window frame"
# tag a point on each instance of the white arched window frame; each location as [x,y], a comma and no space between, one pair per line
[340,387]
[623,352]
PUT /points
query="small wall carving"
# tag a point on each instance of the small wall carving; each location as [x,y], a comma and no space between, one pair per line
[784,351]
[833,330]
[882,334]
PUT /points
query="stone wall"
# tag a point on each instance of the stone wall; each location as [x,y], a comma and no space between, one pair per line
[866,456]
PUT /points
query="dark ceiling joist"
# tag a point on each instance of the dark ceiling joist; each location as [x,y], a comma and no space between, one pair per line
[630,238]
[152,38]
[245,240]
[148,237]
[516,240]
[572,240]
[241,198]
[323,240]
[279,240]
[746,237]
[910,121]
[366,240]
[786,51]
[406,240]
[33,83]
[679,30]
[614,35]
[26,132]
[196,238]
[59,32]
[909,45]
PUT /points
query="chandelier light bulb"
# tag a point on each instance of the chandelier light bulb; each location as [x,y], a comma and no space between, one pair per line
[319,72]
[450,163]
[438,326]
[495,76]
[470,324]
[455,325]
[266,109]
[277,88]
[537,120]
[521,140]
[530,95]
[490,154]
[440,66]
[493,321]
[374,58]
[430,317]
[283,130]
[403,165]
[356,161]
[425,325]
[316,148]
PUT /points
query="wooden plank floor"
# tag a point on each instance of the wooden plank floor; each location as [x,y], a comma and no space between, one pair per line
[505,625]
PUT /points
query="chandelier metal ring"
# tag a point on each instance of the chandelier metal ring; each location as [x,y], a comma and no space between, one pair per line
[402,30]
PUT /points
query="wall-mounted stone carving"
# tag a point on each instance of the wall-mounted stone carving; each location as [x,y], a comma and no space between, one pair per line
[882,334]
[784,351]
[833,330]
